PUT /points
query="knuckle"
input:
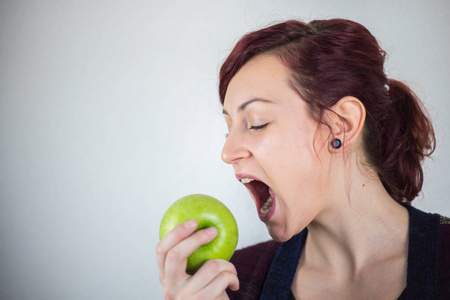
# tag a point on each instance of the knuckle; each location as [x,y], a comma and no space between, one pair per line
[171,295]
[233,269]
[213,265]
[159,249]
[223,277]
[174,254]
[167,295]
[184,297]
[203,237]
[227,277]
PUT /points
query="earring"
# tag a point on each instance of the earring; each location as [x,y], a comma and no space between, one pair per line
[336,143]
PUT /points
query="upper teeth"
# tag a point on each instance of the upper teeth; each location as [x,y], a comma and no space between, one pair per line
[246,180]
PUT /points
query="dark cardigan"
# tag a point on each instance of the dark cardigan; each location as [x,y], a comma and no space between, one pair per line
[266,270]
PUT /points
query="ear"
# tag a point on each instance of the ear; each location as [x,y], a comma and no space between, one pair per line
[347,121]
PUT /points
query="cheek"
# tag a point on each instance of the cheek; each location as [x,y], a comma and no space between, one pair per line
[295,170]
[300,170]
[294,152]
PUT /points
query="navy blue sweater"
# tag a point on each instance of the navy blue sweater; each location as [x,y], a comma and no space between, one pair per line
[266,270]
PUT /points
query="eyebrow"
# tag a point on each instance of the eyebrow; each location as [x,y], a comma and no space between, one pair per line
[244,105]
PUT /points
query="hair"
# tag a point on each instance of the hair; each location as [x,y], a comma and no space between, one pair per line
[331,59]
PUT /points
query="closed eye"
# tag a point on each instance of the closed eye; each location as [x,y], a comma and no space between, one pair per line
[259,127]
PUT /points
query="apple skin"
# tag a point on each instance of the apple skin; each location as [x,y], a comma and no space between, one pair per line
[208,212]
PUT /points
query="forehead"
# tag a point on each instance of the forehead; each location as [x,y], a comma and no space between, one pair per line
[264,76]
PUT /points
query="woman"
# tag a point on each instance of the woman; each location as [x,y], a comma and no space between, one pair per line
[330,150]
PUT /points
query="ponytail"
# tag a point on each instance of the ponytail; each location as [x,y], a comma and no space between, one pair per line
[406,139]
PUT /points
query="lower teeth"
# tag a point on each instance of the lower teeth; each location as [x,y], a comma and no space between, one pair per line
[266,207]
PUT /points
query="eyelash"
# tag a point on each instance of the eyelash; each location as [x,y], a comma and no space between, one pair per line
[255,128]
[258,128]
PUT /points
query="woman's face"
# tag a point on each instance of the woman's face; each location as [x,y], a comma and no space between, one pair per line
[273,140]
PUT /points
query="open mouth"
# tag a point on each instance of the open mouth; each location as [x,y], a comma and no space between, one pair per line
[263,196]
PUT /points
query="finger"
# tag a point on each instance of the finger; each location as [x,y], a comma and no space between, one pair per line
[174,237]
[218,286]
[176,259]
[207,273]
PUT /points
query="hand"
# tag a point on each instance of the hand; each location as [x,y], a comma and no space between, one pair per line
[209,282]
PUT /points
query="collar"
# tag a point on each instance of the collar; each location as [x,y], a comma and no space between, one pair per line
[423,255]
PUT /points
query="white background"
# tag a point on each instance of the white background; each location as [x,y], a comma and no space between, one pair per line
[109,112]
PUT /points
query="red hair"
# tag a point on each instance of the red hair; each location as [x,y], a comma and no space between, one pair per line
[331,59]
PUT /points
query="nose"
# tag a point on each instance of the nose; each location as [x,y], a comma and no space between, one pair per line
[234,149]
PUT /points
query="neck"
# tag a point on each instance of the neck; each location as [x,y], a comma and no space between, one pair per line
[362,226]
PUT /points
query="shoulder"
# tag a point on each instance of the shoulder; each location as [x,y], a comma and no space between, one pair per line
[259,251]
[260,255]
[252,265]
[444,220]
[444,234]
[444,257]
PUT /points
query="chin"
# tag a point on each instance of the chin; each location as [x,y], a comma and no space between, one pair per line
[279,234]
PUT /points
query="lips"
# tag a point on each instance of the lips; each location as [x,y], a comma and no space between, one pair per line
[262,194]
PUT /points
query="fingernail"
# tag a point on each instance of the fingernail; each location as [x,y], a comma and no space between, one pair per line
[211,230]
[190,224]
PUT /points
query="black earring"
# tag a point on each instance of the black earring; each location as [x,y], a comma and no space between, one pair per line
[336,143]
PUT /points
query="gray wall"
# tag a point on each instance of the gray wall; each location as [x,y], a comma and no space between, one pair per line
[109,112]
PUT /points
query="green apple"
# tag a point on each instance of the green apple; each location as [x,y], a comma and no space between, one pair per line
[208,212]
